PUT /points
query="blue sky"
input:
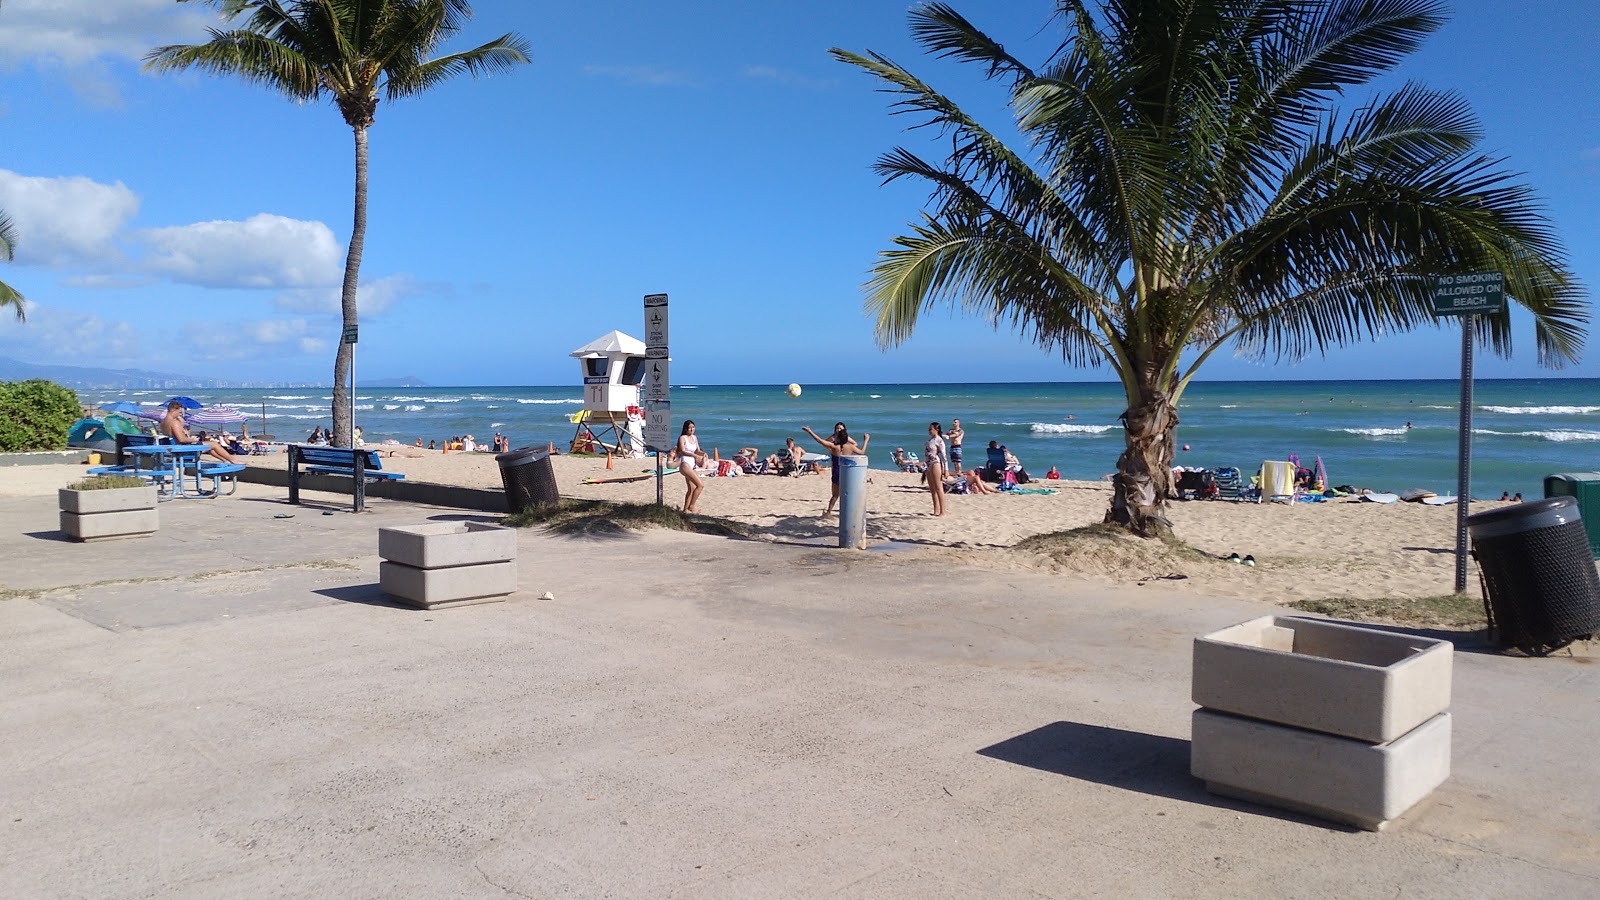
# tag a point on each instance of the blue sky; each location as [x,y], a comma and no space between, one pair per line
[711,150]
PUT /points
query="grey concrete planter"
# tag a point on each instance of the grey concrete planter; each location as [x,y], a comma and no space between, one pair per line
[1330,777]
[1338,679]
[448,564]
[1342,722]
[115,513]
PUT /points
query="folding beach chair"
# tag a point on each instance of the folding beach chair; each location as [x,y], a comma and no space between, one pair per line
[1230,483]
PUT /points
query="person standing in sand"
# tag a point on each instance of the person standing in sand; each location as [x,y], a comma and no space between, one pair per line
[934,455]
[841,444]
[955,435]
[689,456]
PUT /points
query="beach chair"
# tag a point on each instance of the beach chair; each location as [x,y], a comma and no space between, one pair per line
[994,468]
[1277,481]
[1229,482]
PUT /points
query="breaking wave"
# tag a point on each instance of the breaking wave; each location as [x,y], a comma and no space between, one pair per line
[1047,428]
[1560,437]
[1542,410]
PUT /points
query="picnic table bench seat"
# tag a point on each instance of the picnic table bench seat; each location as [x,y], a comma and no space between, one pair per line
[361,465]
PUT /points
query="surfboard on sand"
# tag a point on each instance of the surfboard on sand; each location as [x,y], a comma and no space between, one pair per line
[1415,495]
[1438,501]
[1380,498]
[617,479]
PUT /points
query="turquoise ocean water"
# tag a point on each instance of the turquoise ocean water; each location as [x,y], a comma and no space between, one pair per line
[1523,429]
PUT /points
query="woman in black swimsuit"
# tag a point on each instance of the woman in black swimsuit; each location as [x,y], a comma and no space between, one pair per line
[840,444]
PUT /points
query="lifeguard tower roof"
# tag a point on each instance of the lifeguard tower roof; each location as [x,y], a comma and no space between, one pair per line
[614,343]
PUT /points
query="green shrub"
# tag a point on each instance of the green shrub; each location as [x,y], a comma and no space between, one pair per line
[106,483]
[35,415]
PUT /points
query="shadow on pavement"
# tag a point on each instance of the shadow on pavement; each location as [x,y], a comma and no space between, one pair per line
[370,594]
[1130,760]
[59,537]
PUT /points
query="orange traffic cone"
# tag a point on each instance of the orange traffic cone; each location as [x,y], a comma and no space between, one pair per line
[552,447]
[447,446]
[716,454]
[609,464]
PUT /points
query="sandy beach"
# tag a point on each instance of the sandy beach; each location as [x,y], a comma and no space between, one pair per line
[1306,551]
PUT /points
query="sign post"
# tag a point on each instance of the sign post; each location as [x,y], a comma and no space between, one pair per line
[1465,296]
[349,337]
[657,383]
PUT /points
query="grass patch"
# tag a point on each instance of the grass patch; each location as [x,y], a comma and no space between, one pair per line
[603,517]
[1452,611]
[106,483]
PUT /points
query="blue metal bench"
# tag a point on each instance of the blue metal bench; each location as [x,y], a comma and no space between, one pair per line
[361,465]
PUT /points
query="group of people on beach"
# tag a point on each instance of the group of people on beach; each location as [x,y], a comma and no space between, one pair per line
[941,472]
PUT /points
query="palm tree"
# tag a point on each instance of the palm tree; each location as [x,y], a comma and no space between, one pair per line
[8,246]
[349,51]
[1187,187]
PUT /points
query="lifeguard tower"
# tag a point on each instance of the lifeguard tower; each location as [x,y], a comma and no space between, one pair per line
[611,418]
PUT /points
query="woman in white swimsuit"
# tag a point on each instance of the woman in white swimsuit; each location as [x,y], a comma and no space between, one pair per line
[689,456]
[935,456]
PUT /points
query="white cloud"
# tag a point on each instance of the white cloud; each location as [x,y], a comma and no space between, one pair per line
[68,337]
[265,338]
[72,221]
[76,32]
[653,76]
[372,297]
[263,251]
[787,78]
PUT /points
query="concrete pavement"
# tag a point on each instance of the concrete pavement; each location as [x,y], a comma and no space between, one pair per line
[230,708]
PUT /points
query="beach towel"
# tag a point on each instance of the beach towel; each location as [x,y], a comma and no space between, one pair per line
[1023,490]
[1277,479]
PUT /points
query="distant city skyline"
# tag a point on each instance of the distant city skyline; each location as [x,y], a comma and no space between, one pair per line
[190,223]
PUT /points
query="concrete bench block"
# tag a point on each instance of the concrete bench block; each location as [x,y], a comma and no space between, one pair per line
[446,544]
[103,525]
[452,586]
[1357,682]
[1336,778]
[86,503]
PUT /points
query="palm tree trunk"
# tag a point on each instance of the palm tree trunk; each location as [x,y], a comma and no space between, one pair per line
[342,426]
[1144,470]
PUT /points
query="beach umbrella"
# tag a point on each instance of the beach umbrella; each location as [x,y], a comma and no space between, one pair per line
[154,414]
[121,406]
[214,415]
[185,402]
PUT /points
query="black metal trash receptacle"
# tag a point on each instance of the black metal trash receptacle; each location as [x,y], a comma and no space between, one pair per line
[1543,591]
[529,477]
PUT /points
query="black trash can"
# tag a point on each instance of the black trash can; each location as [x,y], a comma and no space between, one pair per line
[529,478]
[1541,589]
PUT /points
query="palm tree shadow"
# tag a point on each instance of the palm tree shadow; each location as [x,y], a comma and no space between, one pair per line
[1130,760]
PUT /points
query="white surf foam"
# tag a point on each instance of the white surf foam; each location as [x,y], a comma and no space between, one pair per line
[566,402]
[1542,410]
[1560,437]
[1048,428]
[414,407]
[1372,432]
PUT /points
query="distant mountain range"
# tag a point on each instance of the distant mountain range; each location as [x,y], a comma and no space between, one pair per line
[92,377]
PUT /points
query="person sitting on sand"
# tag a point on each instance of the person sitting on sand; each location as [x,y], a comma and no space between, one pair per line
[1052,475]
[173,426]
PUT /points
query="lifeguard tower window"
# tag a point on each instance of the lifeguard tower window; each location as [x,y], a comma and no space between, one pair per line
[633,370]
[596,367]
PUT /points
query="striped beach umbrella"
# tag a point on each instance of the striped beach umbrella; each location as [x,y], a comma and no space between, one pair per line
[214,415]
